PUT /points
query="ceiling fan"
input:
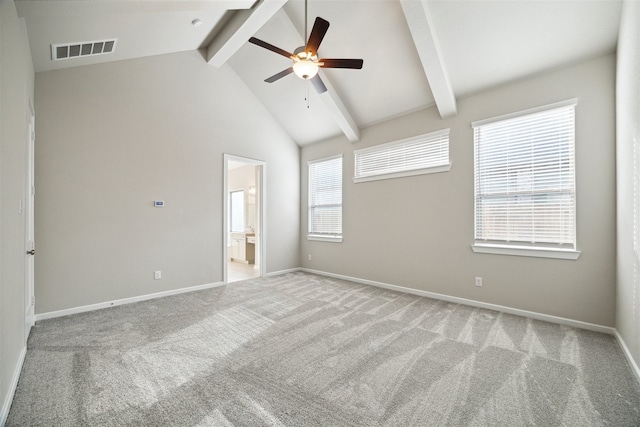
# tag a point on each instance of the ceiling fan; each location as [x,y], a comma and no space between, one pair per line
[305,58]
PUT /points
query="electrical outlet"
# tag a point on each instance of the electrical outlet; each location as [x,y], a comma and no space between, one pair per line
[478,281]
[309,257]
[157,275]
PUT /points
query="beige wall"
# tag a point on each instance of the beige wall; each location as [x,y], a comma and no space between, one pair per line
[115,137]
[628,170]
[16,91]
[416,232]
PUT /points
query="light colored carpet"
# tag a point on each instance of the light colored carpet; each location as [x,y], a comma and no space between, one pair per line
[305,350]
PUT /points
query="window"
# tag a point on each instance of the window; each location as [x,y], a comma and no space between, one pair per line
[428,153]
[525,202]
[325,199]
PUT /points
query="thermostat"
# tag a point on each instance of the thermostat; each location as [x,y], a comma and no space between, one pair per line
[158,204]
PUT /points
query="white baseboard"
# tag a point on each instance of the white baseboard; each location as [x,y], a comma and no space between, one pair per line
[6,405]
[114,303]
[98,306]
[627,353]
[277,273]
[473,303]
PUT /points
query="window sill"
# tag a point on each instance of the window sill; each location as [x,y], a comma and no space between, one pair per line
[526,251]
[333,239]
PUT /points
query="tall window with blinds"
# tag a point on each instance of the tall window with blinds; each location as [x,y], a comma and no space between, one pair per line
[525,179]
[428,153]
[325,199]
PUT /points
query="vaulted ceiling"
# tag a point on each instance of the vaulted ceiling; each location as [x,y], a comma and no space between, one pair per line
[417,53]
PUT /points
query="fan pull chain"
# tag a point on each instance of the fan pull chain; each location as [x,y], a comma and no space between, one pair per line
[305,37]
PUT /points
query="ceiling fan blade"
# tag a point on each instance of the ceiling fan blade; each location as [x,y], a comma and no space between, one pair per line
[280,75]
[342,63]
[318,84]
[320,28]
[270,47]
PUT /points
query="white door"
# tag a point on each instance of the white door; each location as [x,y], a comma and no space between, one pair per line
[29,293]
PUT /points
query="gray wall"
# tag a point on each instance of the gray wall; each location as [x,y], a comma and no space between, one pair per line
[16,90]
[628,170]
[115,137]
[416,232]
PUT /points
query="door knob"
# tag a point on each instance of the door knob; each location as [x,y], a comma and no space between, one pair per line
[31,252]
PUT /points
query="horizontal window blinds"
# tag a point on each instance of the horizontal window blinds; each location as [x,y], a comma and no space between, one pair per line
[411,154]
[325,197]
[524,179]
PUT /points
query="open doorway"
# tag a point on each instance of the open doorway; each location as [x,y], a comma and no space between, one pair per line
[244,218]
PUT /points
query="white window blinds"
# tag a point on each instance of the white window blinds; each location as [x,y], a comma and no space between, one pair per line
[325,198]
[426,153]
[524,178]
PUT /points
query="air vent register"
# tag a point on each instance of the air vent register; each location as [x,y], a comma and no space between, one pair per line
[82,49]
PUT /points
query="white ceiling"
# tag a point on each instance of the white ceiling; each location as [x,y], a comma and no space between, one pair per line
[142,28]
[416,53]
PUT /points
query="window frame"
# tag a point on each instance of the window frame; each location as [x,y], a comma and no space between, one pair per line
[381,149]
[323,237]
[530,249]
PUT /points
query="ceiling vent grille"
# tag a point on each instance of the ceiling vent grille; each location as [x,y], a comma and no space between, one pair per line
[78,50]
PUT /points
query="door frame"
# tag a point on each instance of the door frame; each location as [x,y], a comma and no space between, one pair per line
[29,280]
[261,186]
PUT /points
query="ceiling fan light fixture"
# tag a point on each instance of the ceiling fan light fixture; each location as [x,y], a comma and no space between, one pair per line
[305,69]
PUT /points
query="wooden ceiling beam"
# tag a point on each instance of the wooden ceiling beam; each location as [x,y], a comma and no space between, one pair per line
[424,35]
[242,25]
